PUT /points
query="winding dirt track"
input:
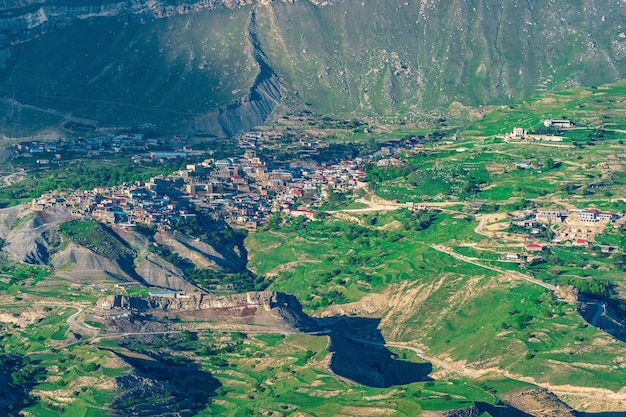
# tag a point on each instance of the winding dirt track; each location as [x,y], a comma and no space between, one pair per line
[437,362]
[519,275]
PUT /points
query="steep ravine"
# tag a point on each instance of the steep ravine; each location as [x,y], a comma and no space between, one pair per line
[252,110]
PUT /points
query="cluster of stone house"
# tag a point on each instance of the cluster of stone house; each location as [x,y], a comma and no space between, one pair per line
[84,147]
[577,215]
[244,190]
[577,226]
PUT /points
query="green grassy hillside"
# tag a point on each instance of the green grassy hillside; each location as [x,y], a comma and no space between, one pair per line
[476,308]
[99,239]
[431,298]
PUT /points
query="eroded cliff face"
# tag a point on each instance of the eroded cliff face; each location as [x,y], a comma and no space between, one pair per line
[254,109]
[277,310]
[27,234]
[180,302]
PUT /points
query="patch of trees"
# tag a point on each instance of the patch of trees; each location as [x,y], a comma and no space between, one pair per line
[545,130]
[175,259]
[18,375]
[275,222]
[335,200]
[541,232]
[420,220]
[519,205]
[620,261]
[595,288]
[489,208]
[550,163]
[336,152]
[146,230]
[209,230]
[377,174]
[600,289]
[83,176]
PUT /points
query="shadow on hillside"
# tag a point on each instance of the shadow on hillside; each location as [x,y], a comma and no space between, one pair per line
[501,410]
[359,354]
[601,313]
[162,385]
[18,377]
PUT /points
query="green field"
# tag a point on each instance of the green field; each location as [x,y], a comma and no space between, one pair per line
[333,261]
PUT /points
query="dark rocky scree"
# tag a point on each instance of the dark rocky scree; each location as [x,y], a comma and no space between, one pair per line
[158,386]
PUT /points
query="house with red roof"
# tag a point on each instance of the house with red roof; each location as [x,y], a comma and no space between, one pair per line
[534,247]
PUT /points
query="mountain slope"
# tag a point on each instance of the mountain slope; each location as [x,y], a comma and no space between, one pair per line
[221,67]
[386,56]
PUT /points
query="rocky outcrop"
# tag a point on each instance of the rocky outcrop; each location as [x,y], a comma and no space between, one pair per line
[8,217]
[463,412]
[277,310]
[540,403]
[25,231]
[25,20]
[180,389]
[78,262]
[182,302]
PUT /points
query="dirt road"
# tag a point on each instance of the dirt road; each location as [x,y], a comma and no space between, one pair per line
[514,274]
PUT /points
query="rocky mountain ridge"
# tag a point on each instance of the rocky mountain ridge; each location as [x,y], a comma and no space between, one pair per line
[26,20]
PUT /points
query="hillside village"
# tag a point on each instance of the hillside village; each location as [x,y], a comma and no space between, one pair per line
[246,190]
[576,227]
[313,208]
